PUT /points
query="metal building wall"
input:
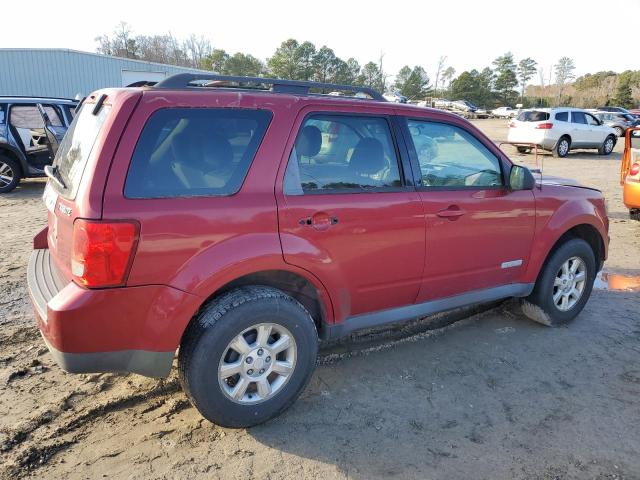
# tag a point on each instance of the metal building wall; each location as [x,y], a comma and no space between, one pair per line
[65,73]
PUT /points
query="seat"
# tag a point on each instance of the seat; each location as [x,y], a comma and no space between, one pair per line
[366,161]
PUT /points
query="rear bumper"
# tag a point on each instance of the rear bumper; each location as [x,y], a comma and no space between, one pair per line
[131,329]
[631,194]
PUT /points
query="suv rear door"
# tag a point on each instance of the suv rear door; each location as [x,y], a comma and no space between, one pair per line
[346,212]
[479,232]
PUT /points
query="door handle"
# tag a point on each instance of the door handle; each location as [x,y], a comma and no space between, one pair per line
[452,212]
[319,221]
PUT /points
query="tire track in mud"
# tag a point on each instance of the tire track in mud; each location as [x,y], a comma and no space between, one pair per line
[38,455]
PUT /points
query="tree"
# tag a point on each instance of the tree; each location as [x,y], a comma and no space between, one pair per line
[447,76]
[505,80]
[527,68]
[473,86]
[216,61]
[564,72]
[624,94]
[198,48]
[243,65]
[325,64]
[439,70]
[284,62]
[121,45]
[412,83]
[371,76]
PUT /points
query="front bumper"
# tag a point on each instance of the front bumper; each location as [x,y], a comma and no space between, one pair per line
[131,329]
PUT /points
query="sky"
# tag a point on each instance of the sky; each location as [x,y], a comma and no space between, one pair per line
[471,34]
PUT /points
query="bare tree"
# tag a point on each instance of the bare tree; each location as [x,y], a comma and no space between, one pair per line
[564,73]
[441,62]
[197,49]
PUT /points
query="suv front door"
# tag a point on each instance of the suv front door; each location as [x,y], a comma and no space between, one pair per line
[346,213]
[479,232]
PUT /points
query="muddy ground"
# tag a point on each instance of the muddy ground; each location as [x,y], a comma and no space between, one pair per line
[491,396]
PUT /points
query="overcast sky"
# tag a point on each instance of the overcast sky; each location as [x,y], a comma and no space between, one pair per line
[470,33]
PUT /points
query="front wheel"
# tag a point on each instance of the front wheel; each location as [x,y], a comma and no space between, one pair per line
[619,131]
[247,356]
[607,146]
[564,284]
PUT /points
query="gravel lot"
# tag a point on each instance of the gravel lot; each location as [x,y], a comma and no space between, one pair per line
[490,396]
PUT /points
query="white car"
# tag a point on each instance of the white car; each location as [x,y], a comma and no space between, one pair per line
[504,112]
[560,130]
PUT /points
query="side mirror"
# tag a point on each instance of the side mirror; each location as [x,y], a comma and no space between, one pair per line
[521,178]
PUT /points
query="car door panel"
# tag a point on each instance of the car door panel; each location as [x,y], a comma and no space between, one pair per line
[479,232]
[366,247]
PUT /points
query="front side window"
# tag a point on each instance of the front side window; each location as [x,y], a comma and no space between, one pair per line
[591,120]
[578,117]
[340,154]
[451,157]
[186,152]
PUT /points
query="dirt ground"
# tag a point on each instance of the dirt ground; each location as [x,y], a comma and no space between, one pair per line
[491,396]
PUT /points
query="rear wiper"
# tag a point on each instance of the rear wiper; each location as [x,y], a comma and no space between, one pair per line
[53,173]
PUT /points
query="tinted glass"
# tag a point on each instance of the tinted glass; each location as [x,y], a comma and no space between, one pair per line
[578,117]
[339,152]
[54,115]
[184,152]
[77,145]
[451,157]
[2,113]
[533,116]
[562,116]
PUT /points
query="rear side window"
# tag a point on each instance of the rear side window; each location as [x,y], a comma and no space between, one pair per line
[533,116]
[562,116]
[185,152]
[77,145]
[578,117]
[342,153]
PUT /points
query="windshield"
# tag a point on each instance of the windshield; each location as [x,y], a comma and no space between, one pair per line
[76,147]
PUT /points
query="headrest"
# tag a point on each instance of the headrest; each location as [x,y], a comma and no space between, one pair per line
[368,157]
[309,141]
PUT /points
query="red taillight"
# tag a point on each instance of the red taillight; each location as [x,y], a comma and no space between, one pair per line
[512,124]
[635,169]
[544,126]
[102,252]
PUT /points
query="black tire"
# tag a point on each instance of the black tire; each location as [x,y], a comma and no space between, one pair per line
[9,168]
[210,333]
[523,149]
[562,147]
[540,306]
[607,146]
[634,214]
[619,131]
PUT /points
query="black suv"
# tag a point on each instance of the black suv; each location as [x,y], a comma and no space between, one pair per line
[30,130]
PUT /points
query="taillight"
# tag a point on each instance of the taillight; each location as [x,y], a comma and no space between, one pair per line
[635,169]
[102,252]
[544,126]
[512,124]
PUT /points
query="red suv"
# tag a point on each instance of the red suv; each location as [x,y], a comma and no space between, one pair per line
[240,220]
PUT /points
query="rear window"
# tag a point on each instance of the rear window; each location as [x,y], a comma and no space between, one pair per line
[533,116]
[562,116]
[77,145]
[184,152]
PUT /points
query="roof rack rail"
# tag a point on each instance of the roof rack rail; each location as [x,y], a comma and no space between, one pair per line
[299,87]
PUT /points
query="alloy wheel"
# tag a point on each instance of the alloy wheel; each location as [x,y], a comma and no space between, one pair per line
[569,283]
[257,363]
[6,174]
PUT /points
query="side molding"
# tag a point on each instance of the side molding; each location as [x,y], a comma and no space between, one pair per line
[410,312]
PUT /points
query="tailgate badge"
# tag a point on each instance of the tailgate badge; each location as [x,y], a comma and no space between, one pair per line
[64,209]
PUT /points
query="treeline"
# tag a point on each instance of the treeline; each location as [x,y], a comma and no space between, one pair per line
[505,82]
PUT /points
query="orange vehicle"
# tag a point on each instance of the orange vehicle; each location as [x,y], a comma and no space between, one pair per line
[630,172]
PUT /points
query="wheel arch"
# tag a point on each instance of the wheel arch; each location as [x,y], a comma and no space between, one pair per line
[13,154]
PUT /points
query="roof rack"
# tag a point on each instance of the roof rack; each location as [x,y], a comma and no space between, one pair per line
[298,87]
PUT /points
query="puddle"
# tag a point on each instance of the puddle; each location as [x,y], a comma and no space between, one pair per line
[615,281]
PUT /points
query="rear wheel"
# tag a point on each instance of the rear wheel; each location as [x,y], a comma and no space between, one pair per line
[619,131]
[634,214]
[9,174]
[607,146]
[562,148]
[247,356]
[564,284]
